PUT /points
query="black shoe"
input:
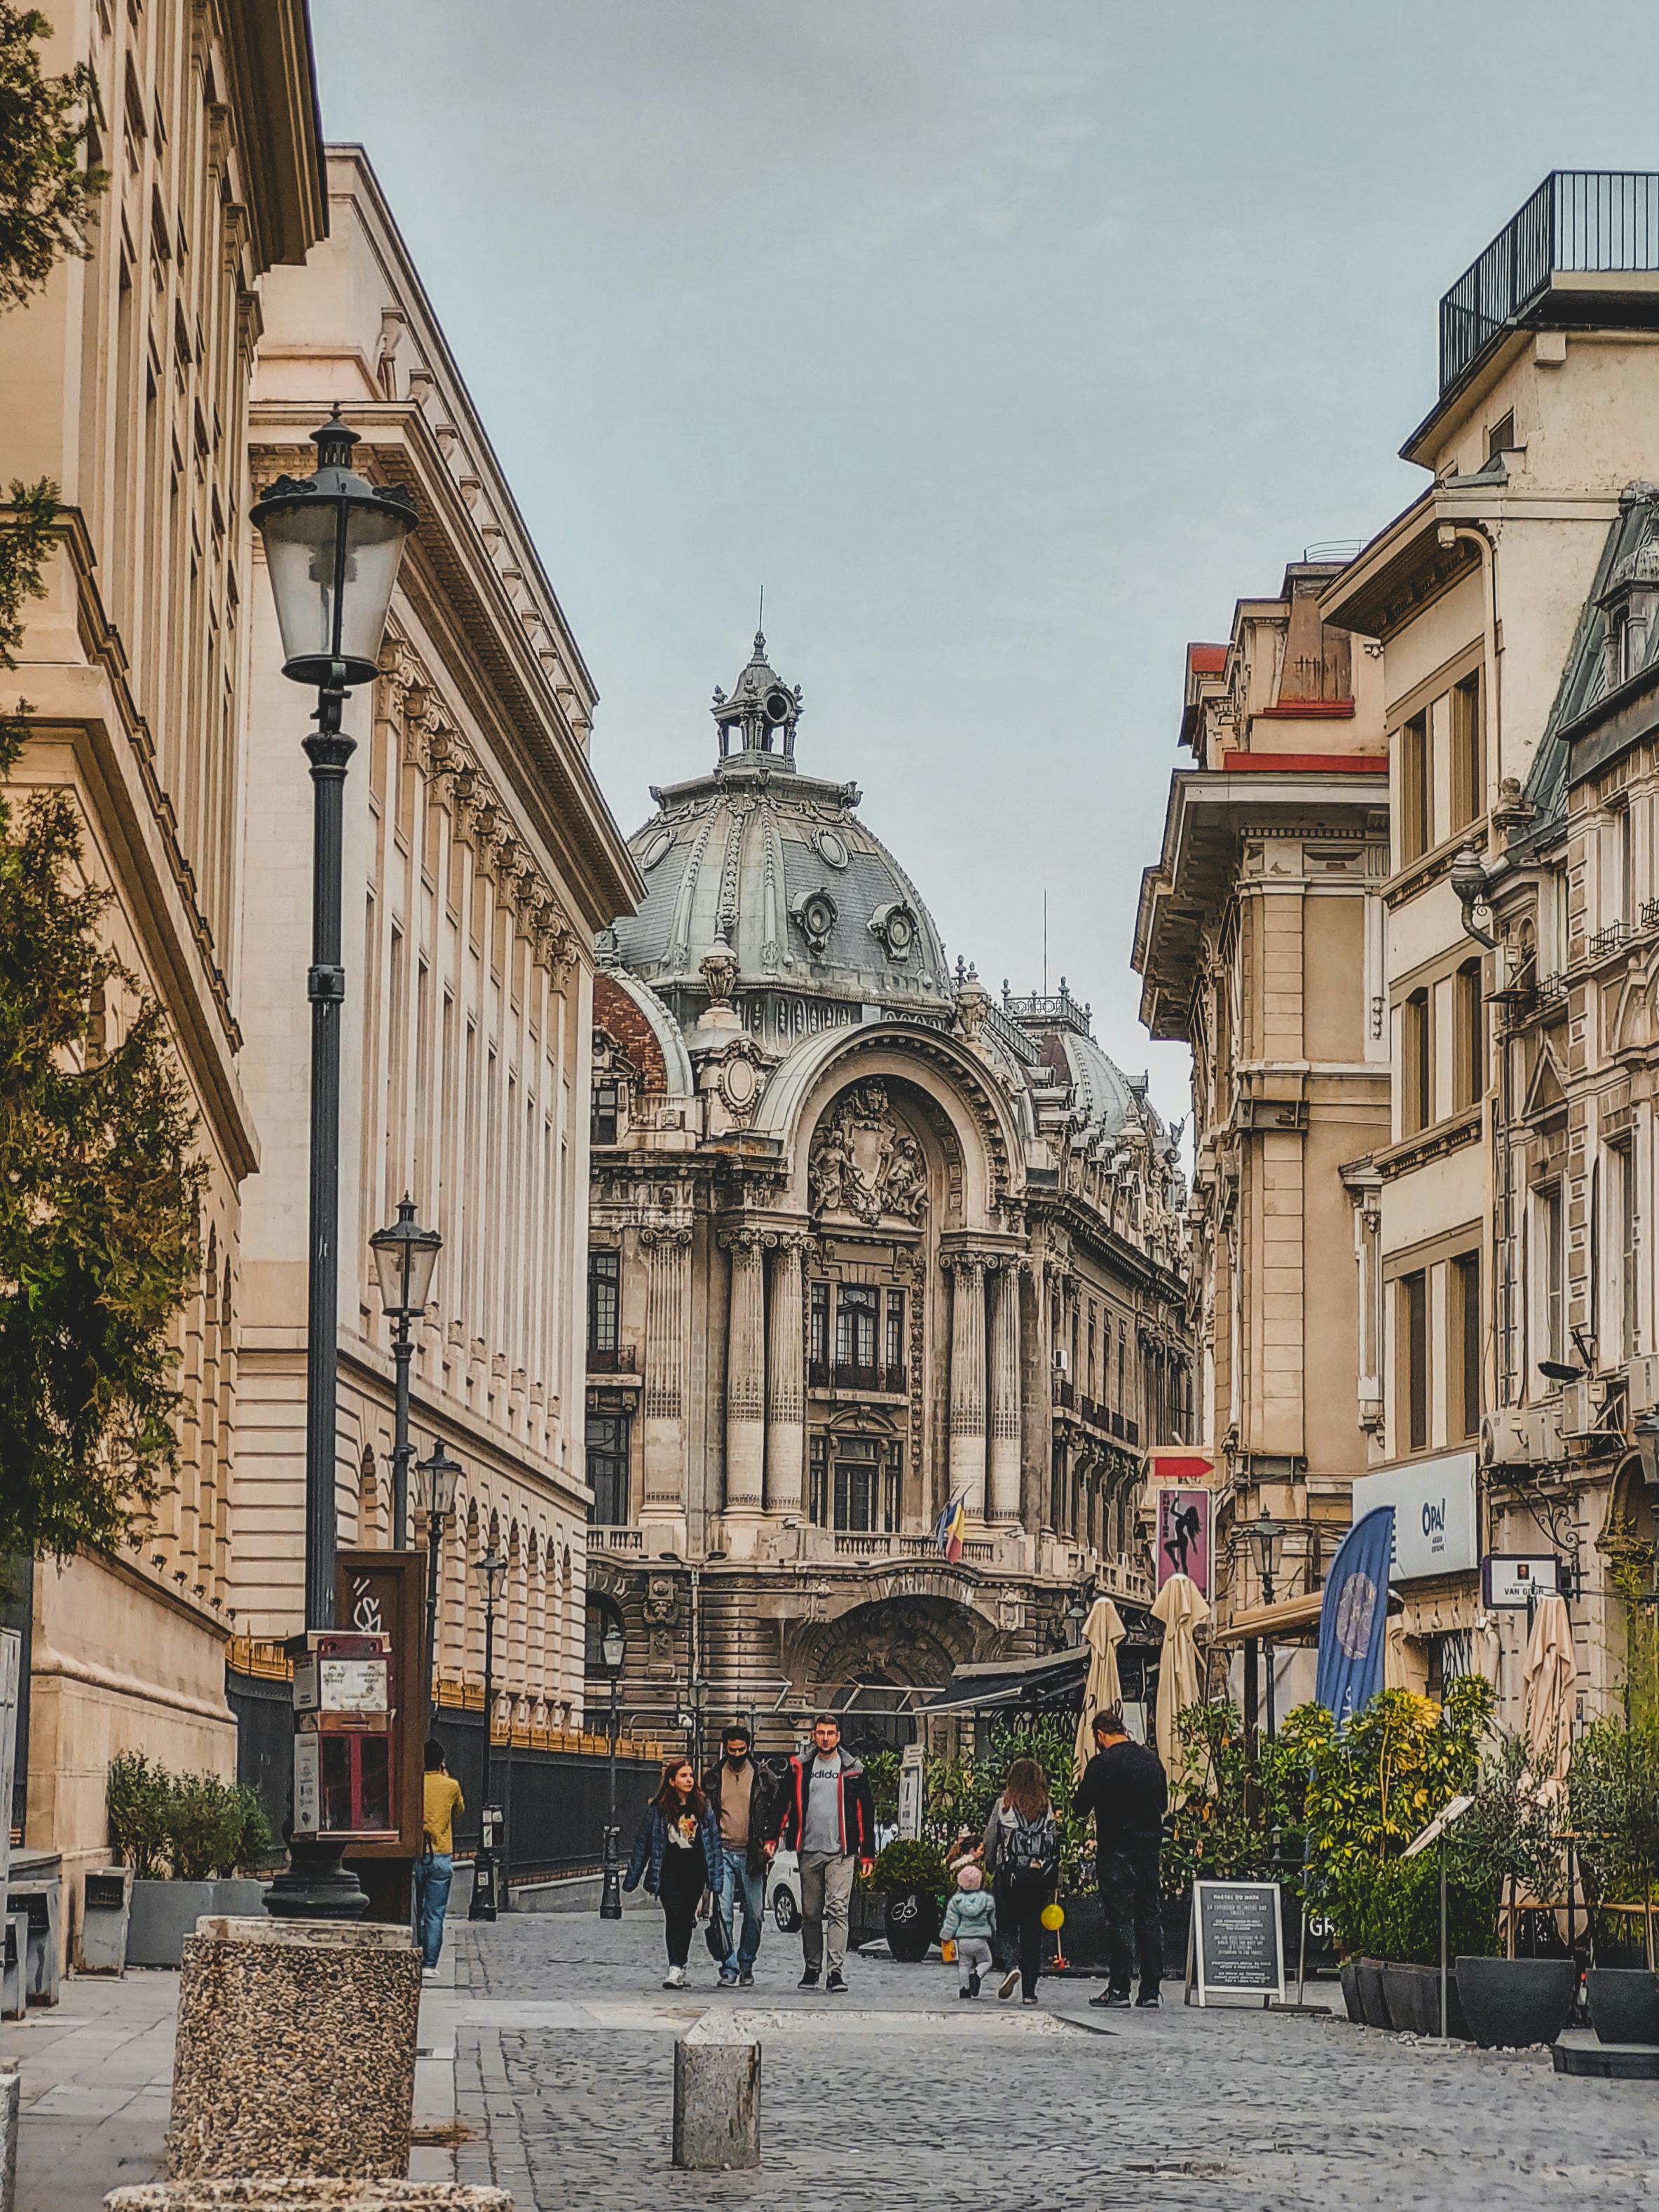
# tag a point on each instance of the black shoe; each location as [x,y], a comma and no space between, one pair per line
[1031,1999]
[965,1994]
[973,1983]
[836,1984]
[809,1980]
[1148,2001]
[1111,2000]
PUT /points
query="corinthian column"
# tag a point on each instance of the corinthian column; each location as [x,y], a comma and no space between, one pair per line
[967,1461]
[746,1373]
[1005,1397]
[786,1381]
[667,1309]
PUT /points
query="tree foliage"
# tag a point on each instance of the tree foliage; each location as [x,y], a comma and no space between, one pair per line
[48,192]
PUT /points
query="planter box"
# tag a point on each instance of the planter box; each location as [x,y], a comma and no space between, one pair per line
[1373,1998]
[1348,1975]
[164,1912]
[1624,2004]
[866,1916]
[1414,2000]
[1513,2003]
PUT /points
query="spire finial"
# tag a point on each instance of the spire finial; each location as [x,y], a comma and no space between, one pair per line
[760,625]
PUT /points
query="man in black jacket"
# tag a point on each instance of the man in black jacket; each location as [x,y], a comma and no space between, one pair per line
[743,1798]
[1125,1787]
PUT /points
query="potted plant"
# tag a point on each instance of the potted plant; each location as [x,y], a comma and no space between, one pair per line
[912,1876]
[1505,1844]
[184,1837]
[1613,1805]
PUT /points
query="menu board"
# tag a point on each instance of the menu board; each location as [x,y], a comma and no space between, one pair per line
[1237,1943]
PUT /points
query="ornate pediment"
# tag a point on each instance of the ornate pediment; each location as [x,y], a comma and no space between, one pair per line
[866,1163]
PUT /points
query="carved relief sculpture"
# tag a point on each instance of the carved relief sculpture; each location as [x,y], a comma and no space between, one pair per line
[866,1163]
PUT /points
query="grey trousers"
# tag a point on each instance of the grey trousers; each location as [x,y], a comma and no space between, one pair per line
[826,1891]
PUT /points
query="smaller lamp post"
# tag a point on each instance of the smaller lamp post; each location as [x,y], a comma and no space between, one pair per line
[485,1903]
[405,1255]
[613,1648]
[1265,1535]
[436,1480]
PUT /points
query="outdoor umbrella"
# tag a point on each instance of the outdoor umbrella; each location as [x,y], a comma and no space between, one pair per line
[1180,1608]
[1550,1672]
[1103,1632]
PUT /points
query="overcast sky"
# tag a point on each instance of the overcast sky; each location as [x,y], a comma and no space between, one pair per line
[1006,341]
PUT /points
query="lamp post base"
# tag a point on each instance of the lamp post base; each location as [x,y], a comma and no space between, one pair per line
[315,1885]
[610,1903]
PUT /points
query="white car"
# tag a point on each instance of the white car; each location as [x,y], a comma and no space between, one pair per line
[783,1892]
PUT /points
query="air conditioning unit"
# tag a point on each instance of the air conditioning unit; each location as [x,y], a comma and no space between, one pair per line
[1644,1371]
[1521,1436]
[1578,1415]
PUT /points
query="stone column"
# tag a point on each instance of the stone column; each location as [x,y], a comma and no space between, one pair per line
[1005,1397]
[786,1381]
[745,1372]
[668,1311]
[967,1461]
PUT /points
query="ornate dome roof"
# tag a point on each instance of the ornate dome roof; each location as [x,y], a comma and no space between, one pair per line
[776,866]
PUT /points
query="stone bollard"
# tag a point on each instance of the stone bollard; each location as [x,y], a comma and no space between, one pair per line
[306,2193]
[10,2103]
[295,2051]
[717,2091]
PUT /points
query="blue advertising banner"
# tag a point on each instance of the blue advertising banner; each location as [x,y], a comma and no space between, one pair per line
[1353,1619]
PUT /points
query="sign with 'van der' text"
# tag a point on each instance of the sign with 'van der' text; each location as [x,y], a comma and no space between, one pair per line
[1434,1516]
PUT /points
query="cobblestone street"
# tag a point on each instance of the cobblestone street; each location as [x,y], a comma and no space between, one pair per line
[899,2094]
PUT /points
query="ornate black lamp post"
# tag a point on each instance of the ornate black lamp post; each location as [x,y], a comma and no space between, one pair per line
[332,544]
[612,1647]
[436,1480]
[405,1256]
[1266,1534]
[493,1568]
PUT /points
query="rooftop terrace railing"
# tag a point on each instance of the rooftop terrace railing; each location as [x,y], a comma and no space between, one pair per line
[1583,221]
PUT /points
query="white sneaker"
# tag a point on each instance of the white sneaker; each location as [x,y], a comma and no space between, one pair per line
[428,1973]
[675,1978]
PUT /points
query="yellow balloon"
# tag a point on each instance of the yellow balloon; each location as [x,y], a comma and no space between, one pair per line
[1053,1917]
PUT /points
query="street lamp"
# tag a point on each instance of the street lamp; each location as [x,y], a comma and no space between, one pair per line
[1076,1614]
[436,1480]
[332,544]
[404,1257]
[485,1900]
[613,1648]
[1266,1534]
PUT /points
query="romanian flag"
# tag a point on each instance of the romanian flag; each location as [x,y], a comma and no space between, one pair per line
[947,1529]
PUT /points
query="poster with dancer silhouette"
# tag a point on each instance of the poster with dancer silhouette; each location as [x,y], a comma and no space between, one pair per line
[1183,1535]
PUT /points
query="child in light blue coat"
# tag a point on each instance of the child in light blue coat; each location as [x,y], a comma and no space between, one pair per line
[970,1921]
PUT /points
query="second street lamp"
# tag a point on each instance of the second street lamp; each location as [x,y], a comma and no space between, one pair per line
[487,1875]
[436,1480]
[613,1648]
[405,1255]
[1266,1534]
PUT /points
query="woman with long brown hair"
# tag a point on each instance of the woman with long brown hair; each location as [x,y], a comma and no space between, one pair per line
[677,1854]
[1021,1852]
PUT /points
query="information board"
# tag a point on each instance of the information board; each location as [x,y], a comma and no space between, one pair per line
[1236,1947]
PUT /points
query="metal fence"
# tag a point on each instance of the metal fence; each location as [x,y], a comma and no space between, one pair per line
[1578,220]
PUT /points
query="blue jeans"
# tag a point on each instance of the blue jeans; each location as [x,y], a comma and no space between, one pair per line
[735,1881]
[433,1876]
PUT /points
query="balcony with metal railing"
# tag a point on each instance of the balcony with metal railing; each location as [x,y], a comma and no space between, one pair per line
[1578,225]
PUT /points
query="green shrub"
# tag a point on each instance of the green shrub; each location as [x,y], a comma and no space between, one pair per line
[138,1795]
[904,1864]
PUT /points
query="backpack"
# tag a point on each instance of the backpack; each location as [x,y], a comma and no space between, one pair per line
[1031,1850]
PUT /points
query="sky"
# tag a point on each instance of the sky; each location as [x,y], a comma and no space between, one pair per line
[1005,342]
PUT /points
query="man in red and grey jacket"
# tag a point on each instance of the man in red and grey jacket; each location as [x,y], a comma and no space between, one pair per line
[829,1823]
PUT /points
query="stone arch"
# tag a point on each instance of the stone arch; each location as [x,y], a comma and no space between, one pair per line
[1629,1543]
[896,1641]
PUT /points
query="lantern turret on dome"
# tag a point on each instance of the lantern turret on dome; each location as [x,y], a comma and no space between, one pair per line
[761,716]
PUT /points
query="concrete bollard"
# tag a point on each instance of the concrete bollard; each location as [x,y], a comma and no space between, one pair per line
[306,2193]
[717,2094]
[10,2103]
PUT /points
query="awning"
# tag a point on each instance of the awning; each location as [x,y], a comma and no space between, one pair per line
[1291,1620]
[1005,1684]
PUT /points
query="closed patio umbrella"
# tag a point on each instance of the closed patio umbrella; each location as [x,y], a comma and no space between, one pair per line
[1551,1672]
[1103,1632]
[1180,1608]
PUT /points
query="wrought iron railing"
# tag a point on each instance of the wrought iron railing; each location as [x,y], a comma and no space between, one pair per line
[1578,220]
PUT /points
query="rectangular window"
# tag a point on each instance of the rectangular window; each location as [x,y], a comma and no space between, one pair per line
[607,1468]
[1463,1366]
[896,1339]
[1416,1065]
[1469,1037]
[1627,865]
[1414,1360]
[858,1484]
[1467,765]
[1622,1165]
[1552,1256]
[1416,790]
[604,1300]
[817,1465]
[817,1335]
[607,1112]
[857,1306]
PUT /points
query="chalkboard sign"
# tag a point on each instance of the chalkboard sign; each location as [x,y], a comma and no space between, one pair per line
[1236,1947]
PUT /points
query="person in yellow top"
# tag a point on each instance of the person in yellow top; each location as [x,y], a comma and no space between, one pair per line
[435,1869]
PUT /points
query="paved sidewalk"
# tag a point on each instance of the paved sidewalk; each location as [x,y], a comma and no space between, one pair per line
[97,2077]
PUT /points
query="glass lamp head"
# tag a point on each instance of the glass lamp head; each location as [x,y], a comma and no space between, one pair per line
[437,1481]
[405,1256]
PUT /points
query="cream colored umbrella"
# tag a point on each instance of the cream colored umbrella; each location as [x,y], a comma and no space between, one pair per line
[1182,1610]
[1103,1632]
[1551,1672]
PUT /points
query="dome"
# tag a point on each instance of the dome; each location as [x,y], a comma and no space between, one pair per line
[776,866]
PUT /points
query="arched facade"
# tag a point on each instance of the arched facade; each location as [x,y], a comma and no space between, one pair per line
[865,1246]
